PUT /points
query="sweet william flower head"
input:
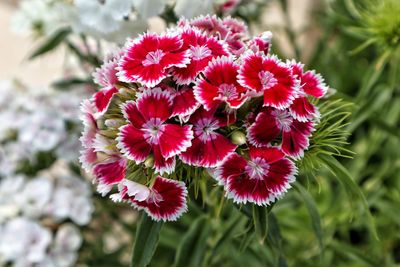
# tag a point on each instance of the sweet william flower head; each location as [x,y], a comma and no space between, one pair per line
[203,95]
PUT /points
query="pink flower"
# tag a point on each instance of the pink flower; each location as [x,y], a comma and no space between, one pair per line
[201,49]
[209,24]
[106,77]
[261,43]
[269,124]
[184,102]
[166,200]
[229,5]
[103,97]
[220,85]
[269,77]
[311,84]
[148,133]
[111,171]
[261,179]
[209,148]
[148,59]
[128,189]
[88,155]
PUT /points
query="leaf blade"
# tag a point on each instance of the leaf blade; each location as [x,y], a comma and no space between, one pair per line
[146,241]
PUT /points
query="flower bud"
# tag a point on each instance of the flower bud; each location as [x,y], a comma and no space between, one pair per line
[238,138]
[149,162]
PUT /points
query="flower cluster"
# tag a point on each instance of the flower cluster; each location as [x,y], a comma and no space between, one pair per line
[36,120]
[201,95]
[33,215]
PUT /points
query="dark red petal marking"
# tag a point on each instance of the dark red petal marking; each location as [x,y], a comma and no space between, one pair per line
[263,130]
[174,139]
[132,143]
[167,200]
[111,172]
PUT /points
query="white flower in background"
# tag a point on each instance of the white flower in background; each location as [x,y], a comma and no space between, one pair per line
[71,198]
[67,241]
[42,131]
[34,120]
[23,238]
[9,193]
[149,8]
[32,215]
[38,16]
[11,154]
[35,196]
[193,8]
[105,16]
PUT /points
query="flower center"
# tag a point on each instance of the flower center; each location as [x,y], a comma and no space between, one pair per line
[154,197]
[284,119]
[152,130]
[153,57]
[267,79]
[257,168]
[227,92]
[205,129]
[199,52]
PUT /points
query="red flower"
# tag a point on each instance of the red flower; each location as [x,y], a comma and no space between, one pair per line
[211,25]
[148,60]
[166,200]
[184,102]
[311,84]
[201,49]
[270,123]
[103,97]
[260,180]
[106,77]
[88,155]
[270,77]
[261,43]
[209,148]
[110,171]
[148,132]
[220,85]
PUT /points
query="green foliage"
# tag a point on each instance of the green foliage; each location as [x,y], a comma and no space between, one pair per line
[145,242]
[51,43]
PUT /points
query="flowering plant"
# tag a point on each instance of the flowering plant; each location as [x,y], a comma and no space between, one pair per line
[200,97]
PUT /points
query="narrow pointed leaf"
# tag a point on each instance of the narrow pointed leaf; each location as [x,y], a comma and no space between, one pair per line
[260,220]
[313,211]
[146,241]
[55,40]
[191,249]
[351,187]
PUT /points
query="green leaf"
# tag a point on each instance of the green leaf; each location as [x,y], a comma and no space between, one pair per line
[354,253]
[274,232]
[55,40]
[313,211]
[351,187]
[146,241]
[226,235]
[66,84]
[192,248]
[260,220]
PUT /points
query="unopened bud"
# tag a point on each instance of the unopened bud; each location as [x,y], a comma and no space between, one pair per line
[149,162]
[101,156]
[238,138]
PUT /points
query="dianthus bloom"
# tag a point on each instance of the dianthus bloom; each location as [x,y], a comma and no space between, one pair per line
[203,95]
